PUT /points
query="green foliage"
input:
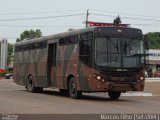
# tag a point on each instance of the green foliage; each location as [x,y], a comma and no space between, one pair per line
[29,34]
[10,69]
[154,40]
[10,53]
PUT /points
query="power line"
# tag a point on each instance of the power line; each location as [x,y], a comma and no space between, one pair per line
[40,26]
[71,26]
[125,13]
[47,17]
[70,15]
[41,12]
[97,14]
[133,18]
[74,10]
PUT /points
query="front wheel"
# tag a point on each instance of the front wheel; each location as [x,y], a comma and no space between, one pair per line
[114,94]
[31,86]
[73,89]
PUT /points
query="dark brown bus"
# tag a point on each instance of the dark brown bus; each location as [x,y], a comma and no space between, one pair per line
[94,59]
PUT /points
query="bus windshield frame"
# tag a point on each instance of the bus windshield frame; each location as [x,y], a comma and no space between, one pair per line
[119,51]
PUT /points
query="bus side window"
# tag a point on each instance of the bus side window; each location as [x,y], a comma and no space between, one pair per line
[68,40]
[85,48]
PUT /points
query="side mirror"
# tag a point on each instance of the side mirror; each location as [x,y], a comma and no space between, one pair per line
[146,43]
[146,47]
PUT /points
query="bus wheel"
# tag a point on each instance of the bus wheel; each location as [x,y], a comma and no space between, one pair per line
[114,94]
[39,89]
[73,89]
[31,85]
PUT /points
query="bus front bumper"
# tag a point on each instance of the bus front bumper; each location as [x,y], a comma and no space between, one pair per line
[124,86]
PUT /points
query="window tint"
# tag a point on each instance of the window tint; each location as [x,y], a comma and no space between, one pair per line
[68,40]
[31,46]
[85,48]
[86,36]
[62,41]
[73,40]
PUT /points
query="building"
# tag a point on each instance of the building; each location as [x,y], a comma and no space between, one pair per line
[4,54]
[153,61]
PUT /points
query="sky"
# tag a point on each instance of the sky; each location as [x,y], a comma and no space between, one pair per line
[55,16]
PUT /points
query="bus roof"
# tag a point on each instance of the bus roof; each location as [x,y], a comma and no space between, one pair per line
[64,34]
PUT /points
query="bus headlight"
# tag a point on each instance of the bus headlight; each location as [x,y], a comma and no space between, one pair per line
[141,78]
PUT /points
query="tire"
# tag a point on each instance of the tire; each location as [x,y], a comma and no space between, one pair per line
[114,95]
[31,86]
[39,89]
[73,89]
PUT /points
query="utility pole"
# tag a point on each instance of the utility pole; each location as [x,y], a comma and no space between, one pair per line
[87,18]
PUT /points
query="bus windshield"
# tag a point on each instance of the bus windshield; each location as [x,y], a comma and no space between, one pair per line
[119,52]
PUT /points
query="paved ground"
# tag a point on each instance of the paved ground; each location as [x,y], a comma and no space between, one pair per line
[152,85]
[14,99]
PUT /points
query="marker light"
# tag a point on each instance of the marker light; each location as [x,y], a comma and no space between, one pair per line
[141,78]
[98,77]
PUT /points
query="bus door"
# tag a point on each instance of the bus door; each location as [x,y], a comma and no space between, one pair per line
[52,50]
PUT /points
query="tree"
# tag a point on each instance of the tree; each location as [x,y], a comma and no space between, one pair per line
[10,53]
[29,34]
[154,40]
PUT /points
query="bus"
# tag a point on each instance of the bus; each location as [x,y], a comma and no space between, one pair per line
[94,59]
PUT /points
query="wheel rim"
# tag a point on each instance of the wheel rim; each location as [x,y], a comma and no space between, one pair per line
[30,85]
[74,93]
[73,88]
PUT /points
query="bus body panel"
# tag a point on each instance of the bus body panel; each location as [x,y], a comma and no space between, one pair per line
[32,62]
[55,64]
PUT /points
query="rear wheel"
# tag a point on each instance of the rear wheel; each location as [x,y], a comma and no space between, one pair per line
[31,85]
[114,94]
[73,89]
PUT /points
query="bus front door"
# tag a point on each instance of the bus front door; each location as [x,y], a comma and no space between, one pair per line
[52,50]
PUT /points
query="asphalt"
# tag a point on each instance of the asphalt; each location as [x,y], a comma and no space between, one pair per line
[14,99]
